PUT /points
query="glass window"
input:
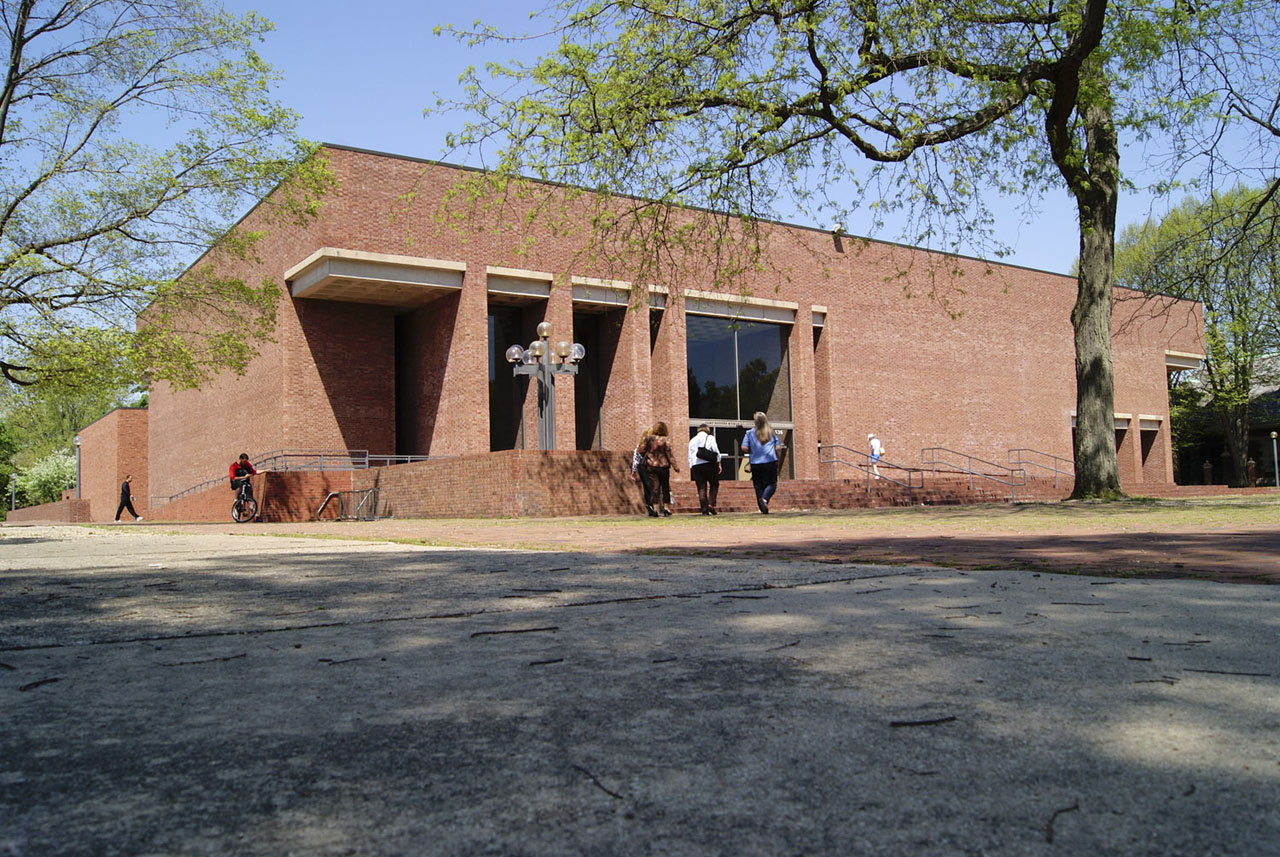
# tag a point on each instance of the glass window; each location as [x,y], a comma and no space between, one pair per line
[737,368]
[713,376]
[762,384]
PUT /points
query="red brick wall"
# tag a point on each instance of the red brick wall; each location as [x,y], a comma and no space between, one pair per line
[822,364]
[112,447]
[196,434]
[524,483]
[282,496]
[460,423]
[923,349]
[669,375]
[339,374]
[426,341]
[512,483]
[1144,328]
[61,512]
[628,407]
[804,397]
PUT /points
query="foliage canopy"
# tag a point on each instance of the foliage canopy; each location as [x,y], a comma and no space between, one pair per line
[96,226]
[749,106]
[1205,250]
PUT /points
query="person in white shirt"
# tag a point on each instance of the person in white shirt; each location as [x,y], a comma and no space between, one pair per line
[704,467]
[877,449]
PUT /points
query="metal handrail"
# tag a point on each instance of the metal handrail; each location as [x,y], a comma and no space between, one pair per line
[1016,458]
[301,460]
[1013,476]
[330,459]
[907,473]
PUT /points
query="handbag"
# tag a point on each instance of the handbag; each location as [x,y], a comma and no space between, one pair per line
[705,454]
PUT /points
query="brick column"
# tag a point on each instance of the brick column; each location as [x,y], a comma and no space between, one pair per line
[628,403]
[804,403]
[461,425]
[670,385]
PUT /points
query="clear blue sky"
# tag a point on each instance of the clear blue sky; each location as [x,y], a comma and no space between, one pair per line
[360,74]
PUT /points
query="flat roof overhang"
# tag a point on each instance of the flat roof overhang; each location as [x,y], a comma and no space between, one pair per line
[1178,361]
[383,279]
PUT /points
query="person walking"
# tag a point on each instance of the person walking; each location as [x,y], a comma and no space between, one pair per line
[877,450]
[126,499]
[640,472]
[761,446]
[704,467]
[659,462]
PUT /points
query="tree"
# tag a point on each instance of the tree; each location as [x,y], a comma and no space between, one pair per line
[1240,64]
[726,103]
[8,446]
[96,227]
[1205,251]
[44,418]
[45,480]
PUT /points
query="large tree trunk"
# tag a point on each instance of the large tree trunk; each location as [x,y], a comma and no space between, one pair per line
[1095,446]
[1235,426]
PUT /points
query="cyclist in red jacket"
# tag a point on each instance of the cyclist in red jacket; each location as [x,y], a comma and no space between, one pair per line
[240,471]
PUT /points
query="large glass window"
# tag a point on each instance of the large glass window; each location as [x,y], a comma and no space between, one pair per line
[713,373]
[737,368]
[763,382]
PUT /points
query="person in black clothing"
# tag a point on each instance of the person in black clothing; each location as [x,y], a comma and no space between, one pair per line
[126,499]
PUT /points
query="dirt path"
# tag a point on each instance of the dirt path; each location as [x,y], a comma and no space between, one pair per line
[1224,540]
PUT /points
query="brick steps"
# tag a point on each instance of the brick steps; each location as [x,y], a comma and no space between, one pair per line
[801,494]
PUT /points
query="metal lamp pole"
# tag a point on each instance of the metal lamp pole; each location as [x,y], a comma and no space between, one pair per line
[76,441]
[1275,462]
[544,361]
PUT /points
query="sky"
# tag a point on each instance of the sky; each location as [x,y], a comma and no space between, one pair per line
[360,74]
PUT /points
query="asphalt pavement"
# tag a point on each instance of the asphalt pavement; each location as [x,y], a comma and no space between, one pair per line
[215,694]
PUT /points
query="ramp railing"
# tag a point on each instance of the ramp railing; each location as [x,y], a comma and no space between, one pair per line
[910,478]
[939,458]
[1060,467]
[300,460]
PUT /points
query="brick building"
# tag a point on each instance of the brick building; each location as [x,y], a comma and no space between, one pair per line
[114,447]
[392,334]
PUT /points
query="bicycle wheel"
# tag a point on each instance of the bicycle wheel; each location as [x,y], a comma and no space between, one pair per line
[244,509]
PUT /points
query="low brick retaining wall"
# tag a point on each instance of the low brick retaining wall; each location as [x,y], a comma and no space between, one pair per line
[533,484]
[61,512]
[515,483]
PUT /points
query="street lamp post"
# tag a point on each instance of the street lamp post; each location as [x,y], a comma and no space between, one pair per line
[76,441]
[545,361]
[13,491]
[1275,462]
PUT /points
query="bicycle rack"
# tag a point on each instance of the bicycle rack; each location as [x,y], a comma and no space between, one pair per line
[365,502]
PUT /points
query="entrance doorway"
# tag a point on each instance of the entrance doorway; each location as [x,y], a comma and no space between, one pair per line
[737,368]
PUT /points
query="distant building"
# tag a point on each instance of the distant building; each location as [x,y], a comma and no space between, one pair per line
[1204,457]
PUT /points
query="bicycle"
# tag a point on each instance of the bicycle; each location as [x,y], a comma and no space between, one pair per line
[245,507]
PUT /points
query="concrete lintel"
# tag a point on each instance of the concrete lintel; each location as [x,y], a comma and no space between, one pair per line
[1181,360]
[357,276]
